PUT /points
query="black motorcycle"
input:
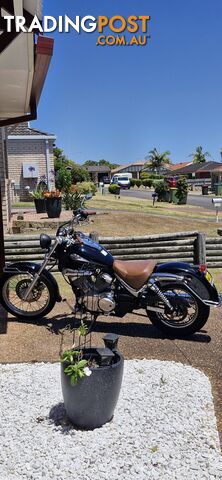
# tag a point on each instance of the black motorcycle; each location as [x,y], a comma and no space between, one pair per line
[176,296]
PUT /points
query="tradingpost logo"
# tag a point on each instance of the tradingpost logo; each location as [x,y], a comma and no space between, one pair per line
[112,31]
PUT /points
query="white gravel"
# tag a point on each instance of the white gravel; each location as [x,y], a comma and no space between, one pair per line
[164,427]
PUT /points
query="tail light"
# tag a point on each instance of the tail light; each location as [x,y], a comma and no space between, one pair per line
[202,267]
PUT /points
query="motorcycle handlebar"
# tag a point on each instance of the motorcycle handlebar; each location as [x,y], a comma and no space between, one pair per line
[89,212]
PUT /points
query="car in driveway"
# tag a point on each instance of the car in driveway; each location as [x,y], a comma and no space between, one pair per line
[122,180]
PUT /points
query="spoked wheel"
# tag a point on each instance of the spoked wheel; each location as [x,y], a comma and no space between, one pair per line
[189,314]
[40,301]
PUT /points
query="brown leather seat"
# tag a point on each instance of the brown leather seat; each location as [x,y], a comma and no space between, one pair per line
[134,272]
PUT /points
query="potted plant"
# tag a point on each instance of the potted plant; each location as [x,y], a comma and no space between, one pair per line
[182,189]
[53,201]
[39,200]
[91,381]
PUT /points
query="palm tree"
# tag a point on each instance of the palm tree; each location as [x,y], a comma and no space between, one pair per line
[157,160]
[199,156]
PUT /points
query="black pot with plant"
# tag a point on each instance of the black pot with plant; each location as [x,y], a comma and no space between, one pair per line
[91,381]
[53,201]
[40,205]
[39,200]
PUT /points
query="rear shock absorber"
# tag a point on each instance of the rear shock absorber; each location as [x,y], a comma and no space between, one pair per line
[161,295]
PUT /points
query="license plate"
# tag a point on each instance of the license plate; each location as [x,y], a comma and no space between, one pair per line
[209,277]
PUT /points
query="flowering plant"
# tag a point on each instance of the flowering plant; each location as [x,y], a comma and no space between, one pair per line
[52,194]
[75,365]
[39,189]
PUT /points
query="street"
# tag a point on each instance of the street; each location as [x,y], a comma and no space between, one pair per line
[196,200]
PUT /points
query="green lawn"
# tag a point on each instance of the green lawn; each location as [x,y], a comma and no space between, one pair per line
[23,204]
[133,204]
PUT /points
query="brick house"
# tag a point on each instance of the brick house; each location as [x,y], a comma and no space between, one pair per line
[135,168]
[30,157]
[5,181]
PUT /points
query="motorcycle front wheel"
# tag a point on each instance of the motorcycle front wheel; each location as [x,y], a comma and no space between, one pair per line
[189,314]
[39,303]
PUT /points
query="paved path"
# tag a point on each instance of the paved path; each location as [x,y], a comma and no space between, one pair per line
[43,341]
[196,200]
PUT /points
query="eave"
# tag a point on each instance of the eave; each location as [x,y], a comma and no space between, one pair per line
[24,63]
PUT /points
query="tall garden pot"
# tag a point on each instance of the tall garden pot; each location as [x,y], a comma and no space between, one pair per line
[53,207]
[91,402]
[40,205]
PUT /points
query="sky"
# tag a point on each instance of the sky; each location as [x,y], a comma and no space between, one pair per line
[118,103]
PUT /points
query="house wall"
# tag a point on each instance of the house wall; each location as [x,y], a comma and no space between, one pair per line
[27,151]
[4,180]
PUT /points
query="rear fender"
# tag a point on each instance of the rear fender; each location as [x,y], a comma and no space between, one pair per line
[30,268]
[195,279]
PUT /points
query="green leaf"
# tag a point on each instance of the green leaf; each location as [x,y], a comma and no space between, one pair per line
[82,363]
[73,380]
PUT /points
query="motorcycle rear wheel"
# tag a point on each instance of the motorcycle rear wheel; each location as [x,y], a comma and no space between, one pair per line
[190,316]
[42,298]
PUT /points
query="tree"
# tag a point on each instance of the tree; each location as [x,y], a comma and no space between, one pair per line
[60,160]
[90,163]
[94,163]
[157,160]
[63,180]
[199,156]
[79,174]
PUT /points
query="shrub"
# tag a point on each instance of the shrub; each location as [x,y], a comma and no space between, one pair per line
[147,182]
[154,176]
[138,183]
[72,200]
[86,187]
[160,190]
[182,188]
[79,174]
[157,182]
[144,175]
[63,180]
[132,182]
[114,189]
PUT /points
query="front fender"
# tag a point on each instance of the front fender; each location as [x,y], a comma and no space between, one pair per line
[31,268]
[196,279]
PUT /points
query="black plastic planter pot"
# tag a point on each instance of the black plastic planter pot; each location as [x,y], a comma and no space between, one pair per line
[91,402]
[53,207]
[40,205]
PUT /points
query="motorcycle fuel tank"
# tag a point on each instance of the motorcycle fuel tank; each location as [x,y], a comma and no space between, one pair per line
[92,251]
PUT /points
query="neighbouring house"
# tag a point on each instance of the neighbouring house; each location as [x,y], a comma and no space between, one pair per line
[30,159]
[134,168]
[98,172]
[198,173]
[143,166]
[175,166]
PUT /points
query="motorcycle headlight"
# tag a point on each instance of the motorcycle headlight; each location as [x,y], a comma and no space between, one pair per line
[45,241]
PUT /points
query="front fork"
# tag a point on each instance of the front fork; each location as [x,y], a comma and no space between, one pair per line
[38,274]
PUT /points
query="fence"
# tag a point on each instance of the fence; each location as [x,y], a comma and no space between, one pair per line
[186,246]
